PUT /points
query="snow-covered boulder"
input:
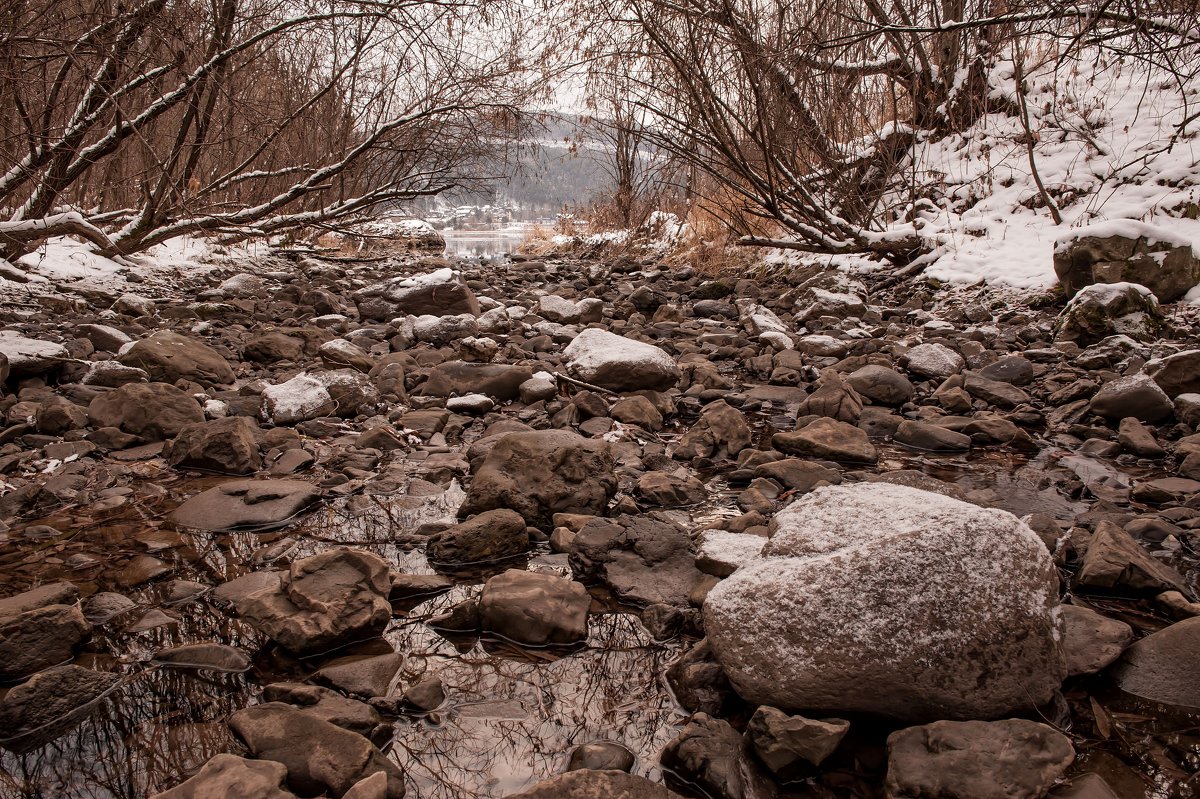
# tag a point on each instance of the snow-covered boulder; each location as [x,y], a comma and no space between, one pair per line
[757,319]
[1127,251]
[30,356]
[302,398]
[1106,309]
[816,303]
[618,363]
[933,360]
[442,330]
[558,309]
[884,599]
[438,293]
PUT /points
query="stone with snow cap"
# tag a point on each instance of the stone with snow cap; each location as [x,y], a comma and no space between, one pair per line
[30,356]
[618,363]
[1107,309]
[299,399]
[884,599]
[1126,250]
[438,293]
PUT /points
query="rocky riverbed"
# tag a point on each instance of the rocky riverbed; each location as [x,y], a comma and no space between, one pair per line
[413,527]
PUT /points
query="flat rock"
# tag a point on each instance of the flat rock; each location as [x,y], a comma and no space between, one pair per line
[589,784]
[258,504]
[441,292]
[534,608]
[49,704]
[1164,667]
[364,677]
[828,439]
[168,356]
[220,658]
[618,363]
[1011,759]
[642,560]
[152,411]
[492,535]
[231,777]
[1115,560]
[39,638]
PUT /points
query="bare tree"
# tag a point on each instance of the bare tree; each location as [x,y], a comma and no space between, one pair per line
[132,125]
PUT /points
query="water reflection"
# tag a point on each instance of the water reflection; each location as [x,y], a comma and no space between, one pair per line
[486,244]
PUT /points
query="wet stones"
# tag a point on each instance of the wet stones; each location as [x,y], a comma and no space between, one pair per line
[152,411]
[168,356]
[534,608]
[538,474]
[828,439]
[40,637]
[1114,560]
[592,784]
[322,601]
[320,757]
[925,436]
[905,577]
[602,755]
[258,504]
[227,776]
[1092,641]
[441,292]
[1011,759]
[1164,667]
[643,561]
[721,431]
[787,744]
[618,363]
[49,704]
[708,753]
[492,535]
[225,446]
[212,657]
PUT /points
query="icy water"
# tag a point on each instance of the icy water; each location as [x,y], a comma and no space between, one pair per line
[487,244]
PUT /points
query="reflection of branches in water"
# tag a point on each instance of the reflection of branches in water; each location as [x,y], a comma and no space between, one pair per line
[510,720]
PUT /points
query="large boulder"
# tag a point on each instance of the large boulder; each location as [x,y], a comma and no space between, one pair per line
[1010,759]
[1109,309]
[153,411]
[168,356]
[1127,251]
[437,293]
[642,560]
[321,758]
[1134,395]
[225,446]
[890,600]
[540,473]
[618,363]
[231,777]
[29,356]
[322,601]
[254,504]
[534,608]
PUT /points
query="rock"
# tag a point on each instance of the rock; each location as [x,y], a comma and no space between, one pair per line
[257,504]
[618,363]
[1137,439]
[327,705]
[534,608]
[588,784]
[1137,396]
[271,348]
[103,607]
[833,398]
[1164,667]
[1176,374]
[364,677]
[470,404]
[168,356]
[643,561]
[323,601]
[787,743]
[698,681]
[1085,786]
[62,593]
[426,695]
[993,392]
[1092,641]
[637,411]
[1011,759]
[49,704]
[1114,560]
[816,303]
[39,638]
[152,411]
[933,360]
[134,305]
[882,385]
[941,609]
[721,431]
[339,352]
[103,337]
[439,293]
[659,489]
[492,535]
[1136,253]
[232,777]
[538,474]
[1014,369]
[224,446]
[30,356]
[455,378]
[558,309]
[1108,309]
[798,475]
[204,657]
[721,554]
[707,754]
[320,757]
[601,755]
[299,399]
[110,374]
[441,331]
[57,415]
[930,437]
[828,439]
